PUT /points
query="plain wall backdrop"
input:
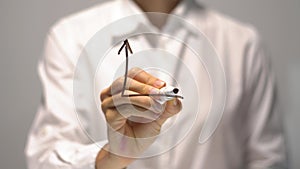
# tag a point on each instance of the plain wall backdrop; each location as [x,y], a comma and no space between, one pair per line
[23,27]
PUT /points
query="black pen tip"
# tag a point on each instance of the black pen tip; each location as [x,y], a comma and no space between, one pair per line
[175,90]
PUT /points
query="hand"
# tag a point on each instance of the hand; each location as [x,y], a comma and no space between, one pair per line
[127,137]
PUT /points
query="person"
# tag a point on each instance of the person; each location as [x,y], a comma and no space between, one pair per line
[249,134]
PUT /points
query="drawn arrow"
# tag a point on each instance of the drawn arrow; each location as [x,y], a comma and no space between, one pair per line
[127,47]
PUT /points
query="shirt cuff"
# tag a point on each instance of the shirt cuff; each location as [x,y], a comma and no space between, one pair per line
[78,155]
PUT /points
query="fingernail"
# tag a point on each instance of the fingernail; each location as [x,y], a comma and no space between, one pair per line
[174,102]
[159,83]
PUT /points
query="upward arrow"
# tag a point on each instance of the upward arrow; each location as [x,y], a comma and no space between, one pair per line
[127,47]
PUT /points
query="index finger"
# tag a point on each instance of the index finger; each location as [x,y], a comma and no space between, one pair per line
[146,78]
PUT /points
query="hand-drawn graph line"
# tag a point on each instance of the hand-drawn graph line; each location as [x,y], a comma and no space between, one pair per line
[127,47]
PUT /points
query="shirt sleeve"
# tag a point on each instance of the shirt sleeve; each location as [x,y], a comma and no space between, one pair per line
[265,143]
[56,140]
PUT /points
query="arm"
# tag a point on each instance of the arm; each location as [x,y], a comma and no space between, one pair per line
[265,143]
[56,139]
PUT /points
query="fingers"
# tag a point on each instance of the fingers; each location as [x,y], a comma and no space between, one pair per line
[145,102]
[146,78]
[131,84]
[138,81]
[128,110]
[172,108]
[118,116]
[115,119]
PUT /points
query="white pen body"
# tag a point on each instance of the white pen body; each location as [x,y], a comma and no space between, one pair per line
[168,90]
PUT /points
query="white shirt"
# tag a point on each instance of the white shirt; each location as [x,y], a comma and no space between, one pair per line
[249,134]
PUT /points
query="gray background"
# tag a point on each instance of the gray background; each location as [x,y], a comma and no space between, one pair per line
[24,25]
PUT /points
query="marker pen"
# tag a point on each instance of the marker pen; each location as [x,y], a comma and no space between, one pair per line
[166,93]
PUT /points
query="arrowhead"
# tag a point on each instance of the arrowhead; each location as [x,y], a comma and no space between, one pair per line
[127,46]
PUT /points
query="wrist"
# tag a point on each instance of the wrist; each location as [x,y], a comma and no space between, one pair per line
[108,160]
